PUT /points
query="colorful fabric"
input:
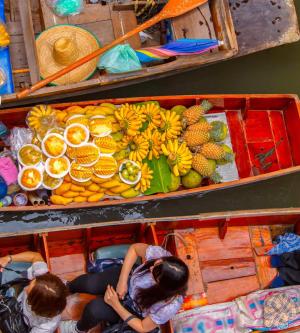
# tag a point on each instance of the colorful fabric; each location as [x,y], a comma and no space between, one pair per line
[160,312]
[289,242]
[219,318]
[8,170]
[279,310]
[251,308]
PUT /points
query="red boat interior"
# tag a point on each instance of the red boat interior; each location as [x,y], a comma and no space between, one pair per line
[264,130]
[227,257]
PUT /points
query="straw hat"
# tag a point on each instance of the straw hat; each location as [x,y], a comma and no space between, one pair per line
[61,45]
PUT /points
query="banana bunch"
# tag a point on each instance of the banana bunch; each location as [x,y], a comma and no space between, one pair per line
[128,120]
[154,141]
[139,148]
[179,157]
[145,181]
[170,125]
[4,36]
[41,117]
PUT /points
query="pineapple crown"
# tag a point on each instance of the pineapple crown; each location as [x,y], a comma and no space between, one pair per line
[216,177]
[206,105]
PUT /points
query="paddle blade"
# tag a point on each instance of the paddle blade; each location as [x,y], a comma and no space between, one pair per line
[175,8]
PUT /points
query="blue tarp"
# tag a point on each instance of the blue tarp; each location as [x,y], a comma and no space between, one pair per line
[5,65]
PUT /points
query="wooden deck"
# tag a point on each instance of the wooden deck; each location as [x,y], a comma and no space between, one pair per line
[226,268]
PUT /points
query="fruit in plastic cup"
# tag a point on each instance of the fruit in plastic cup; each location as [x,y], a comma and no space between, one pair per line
[51,183]
[54,145]
[57,167]
[99,126]
[100,168]
[76,170]
[30,178]
[30,155]
[76,135]
[130,172]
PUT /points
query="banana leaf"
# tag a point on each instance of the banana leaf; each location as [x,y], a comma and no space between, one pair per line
[161,176]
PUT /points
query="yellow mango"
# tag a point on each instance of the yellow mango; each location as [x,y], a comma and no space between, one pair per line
[59,200]
[64,187]
[108,192]
[75,109]
[86,193]
[121,188]
[80,199]
[84,184]
[109,105]
[95,197]
[110,184]
[77,188]
[98,180]
[94,188]
[70,194]
[68,179]
[131,193]
[60,115]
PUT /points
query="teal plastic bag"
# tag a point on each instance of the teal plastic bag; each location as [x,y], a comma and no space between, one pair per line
[120,59]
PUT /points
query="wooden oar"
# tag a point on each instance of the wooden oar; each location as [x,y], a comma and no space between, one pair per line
[172,9]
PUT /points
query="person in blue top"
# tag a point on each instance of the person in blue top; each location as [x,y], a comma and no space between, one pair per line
[154,291]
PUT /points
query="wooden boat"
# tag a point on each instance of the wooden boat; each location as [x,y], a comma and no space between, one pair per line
[208,246]
[26,19]
[265,139]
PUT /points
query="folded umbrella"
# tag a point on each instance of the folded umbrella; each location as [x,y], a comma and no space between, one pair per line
[179,47]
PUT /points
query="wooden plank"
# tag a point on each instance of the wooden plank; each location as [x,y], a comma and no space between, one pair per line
[68,267]
[261,237]
[102,29]
[123,22]
[29,39]
[91,13]
[189,255]
[235,245]
[219,270]
[224,291]
[194,24]
[49,18]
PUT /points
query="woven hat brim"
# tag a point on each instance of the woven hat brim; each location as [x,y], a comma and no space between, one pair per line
[86,43]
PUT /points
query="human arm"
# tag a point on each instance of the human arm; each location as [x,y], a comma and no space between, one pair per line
[27,256]
[139,325]
[136,250]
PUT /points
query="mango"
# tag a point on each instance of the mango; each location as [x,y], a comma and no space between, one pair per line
[59,200]
[95,197]
[131,193]
[80,199]
[64,187]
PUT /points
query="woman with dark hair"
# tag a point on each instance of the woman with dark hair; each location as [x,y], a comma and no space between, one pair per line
[44,299]
[154,291]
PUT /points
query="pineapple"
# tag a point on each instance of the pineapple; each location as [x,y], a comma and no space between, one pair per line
[200,126]
[215,152]
[206,168]
[193,114]
[196,138]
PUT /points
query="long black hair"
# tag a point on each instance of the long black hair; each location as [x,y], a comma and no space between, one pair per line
[171,276]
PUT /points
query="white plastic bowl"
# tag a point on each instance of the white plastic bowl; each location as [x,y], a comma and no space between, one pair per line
[63,174]
[21,174]
[93,163]
[106,176]
[126,181]
[78,179]
[36,148]
[57,136]
[103,134]
[86,130]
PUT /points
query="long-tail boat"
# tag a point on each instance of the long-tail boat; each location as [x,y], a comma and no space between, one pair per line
[226,253]
[265,139]
[248,27]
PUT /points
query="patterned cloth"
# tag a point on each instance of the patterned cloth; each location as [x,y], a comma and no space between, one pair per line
[289,242]
[251,308]
[279,310]
[160,312]
[218,318]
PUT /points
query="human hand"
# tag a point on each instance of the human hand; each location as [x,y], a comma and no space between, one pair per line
[3,262]
[122,288]
[111,297]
